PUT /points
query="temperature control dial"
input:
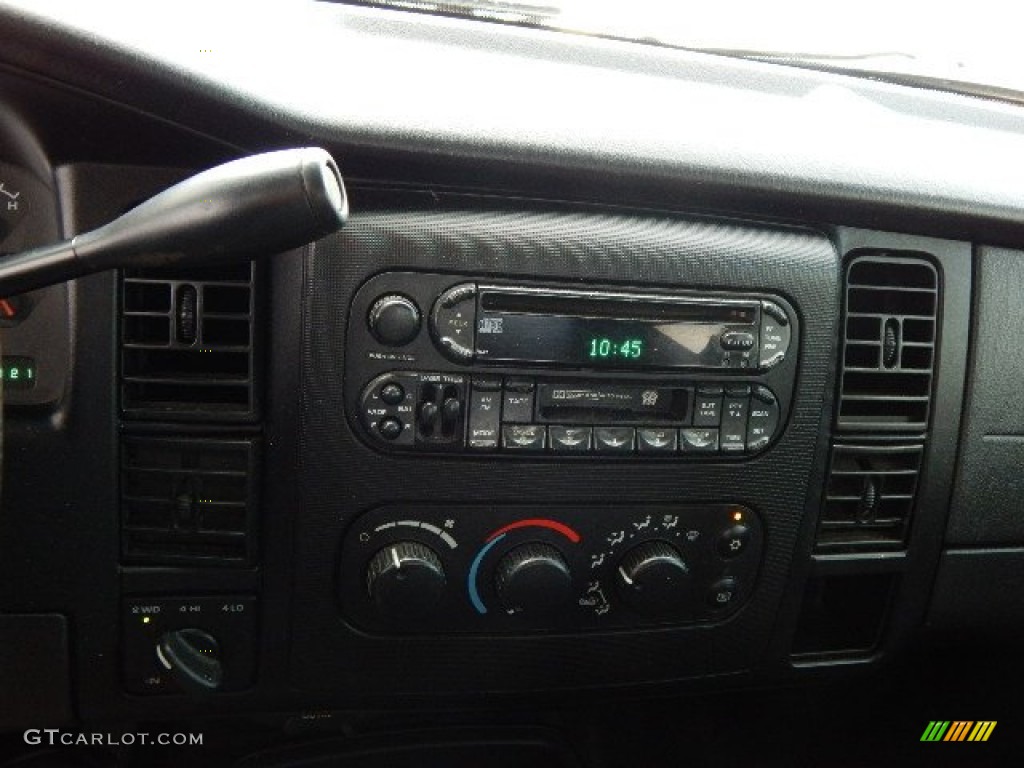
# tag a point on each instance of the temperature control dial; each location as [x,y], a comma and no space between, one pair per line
[405,579]
[654,578]
[533,578]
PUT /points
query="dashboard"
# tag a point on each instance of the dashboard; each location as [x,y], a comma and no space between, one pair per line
[644,393]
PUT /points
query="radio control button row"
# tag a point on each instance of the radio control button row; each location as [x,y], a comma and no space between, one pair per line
[614,439]
[698,440]
[651,440]
[735,411]
[764,419]
[775,334]
[707,407]
[570,439]
[448,411]
[518,404]
[484,414]
[524,437]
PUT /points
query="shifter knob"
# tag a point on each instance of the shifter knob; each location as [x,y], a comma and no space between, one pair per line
[258,205]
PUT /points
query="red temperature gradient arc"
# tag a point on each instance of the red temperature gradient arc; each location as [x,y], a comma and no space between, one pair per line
[554,525]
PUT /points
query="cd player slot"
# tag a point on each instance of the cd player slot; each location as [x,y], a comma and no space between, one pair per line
[617,308]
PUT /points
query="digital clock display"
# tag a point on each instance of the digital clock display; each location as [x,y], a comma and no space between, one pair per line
[604,347]
[607,330]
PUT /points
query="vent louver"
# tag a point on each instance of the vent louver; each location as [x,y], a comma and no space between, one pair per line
[887,359]
[187,501]
[870,495]
[187,343]
[889,344]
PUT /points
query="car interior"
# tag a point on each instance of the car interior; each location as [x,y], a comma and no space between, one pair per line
[355,411]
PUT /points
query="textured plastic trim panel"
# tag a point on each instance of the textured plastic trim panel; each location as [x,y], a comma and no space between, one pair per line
[340,477]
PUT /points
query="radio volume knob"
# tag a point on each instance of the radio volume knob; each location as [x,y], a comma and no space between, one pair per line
[405,579]
[654,578]
[394,320]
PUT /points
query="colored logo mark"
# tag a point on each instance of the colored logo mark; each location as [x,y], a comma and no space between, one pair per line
[958,730]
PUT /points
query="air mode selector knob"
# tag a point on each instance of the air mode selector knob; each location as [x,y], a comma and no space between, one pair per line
[394,320]
[405,579]
[655,579]
[533,578]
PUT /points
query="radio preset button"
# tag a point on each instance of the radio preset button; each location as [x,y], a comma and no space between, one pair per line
[775,311]
[738,390]
[614,439]
[764,419]
[485,414]
[570,439]
[652,440]
[734,424]
[737,340]
[775,334]
[699,440]
[710,389]
[518,405]
[707,411]
[523,437]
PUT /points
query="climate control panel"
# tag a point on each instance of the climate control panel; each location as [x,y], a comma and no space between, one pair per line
[494,569]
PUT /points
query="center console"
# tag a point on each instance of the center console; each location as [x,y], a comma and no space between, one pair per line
[577,447]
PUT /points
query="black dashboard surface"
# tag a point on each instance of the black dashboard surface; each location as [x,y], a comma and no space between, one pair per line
[482,152]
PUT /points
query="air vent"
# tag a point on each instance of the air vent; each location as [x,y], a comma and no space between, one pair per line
[187,501]
[870,496]
[889,344]
[187,343]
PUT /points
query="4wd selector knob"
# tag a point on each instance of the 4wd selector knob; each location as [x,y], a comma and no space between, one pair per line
[405,578]
[394,320]
[654,578]
[192,657]
[533,578]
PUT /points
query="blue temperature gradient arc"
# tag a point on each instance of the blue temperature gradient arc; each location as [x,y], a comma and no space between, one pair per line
[474,594]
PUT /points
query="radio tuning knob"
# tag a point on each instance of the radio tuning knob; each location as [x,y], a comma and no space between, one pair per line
[394,320]
[453,322]
[654,578]
[405,579]
[533,578]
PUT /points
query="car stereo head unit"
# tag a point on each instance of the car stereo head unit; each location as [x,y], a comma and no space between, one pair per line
[448,363]
[515,324]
